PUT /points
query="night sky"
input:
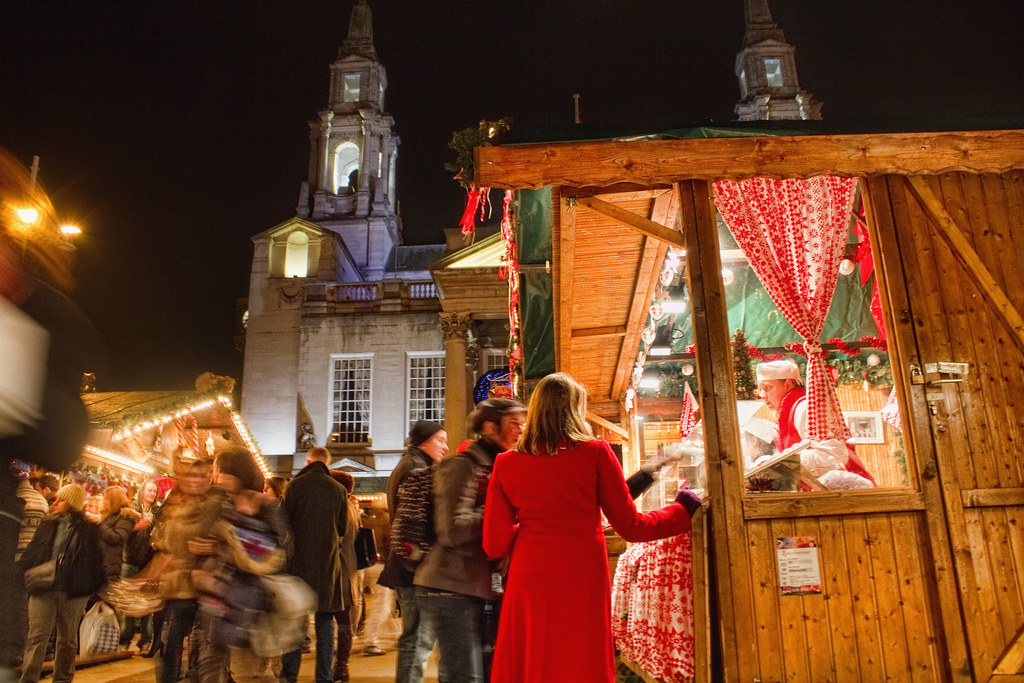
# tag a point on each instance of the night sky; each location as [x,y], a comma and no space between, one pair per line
[173,132]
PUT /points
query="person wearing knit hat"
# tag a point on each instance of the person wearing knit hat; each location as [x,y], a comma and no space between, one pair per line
[428,443]
[456,580]
[73,495]
[422,430]
[67,538]
[831,461]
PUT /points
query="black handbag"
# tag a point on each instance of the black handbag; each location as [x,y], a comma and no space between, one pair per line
[366,549]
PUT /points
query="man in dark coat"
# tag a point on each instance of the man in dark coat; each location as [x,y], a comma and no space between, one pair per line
[317,509]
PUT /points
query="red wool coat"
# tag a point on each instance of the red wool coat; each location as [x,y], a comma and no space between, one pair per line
[545,511]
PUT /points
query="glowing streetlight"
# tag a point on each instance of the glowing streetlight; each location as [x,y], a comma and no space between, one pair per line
[70,230]
[28,215]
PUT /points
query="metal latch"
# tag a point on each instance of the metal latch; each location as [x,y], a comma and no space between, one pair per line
[948,372]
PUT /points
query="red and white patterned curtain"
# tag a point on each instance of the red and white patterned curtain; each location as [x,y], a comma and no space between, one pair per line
[793,232]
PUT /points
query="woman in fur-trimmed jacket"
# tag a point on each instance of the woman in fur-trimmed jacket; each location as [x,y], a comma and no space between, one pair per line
[118,520]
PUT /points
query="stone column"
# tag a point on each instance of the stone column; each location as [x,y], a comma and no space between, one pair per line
[325,153]
[454,328]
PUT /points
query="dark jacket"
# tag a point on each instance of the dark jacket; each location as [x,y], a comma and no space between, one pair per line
[80,567]
[395,574]
[317,510]
[456,562]
[113,534]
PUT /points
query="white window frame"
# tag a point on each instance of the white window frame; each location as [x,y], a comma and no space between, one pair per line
[335,357]
[439,399]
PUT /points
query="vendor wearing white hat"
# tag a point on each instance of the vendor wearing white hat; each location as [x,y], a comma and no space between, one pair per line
[832,461]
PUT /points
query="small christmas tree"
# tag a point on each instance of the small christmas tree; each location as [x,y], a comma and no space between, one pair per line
[746,385]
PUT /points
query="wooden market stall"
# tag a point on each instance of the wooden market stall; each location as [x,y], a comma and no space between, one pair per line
[923,581]
[141,432]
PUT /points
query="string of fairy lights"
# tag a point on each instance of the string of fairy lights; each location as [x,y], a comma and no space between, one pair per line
[154,421]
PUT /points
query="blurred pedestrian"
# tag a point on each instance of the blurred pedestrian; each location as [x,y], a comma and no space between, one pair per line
[455,583]
[138,551]
[428,443]
[317,510]
[378,600]
[117,521]
[71,541]
[246,543]
[350,582]
[189,512]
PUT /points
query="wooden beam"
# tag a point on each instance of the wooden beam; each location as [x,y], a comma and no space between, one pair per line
[982,498]
[1012,659]
[610,331]
[823,504]
[658,162]
[607,424]
[632,220]
[717,394]
[957,242]
[563,255]
[665,209]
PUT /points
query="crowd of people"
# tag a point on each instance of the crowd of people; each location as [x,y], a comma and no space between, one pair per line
[516,555]
[220,554]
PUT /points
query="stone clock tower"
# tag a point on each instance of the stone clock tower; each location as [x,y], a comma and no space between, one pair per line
[766,69]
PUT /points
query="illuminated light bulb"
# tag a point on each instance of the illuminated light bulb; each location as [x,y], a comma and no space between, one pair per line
[28,215]
[70,230]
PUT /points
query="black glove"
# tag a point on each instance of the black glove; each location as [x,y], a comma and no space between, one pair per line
[689,500]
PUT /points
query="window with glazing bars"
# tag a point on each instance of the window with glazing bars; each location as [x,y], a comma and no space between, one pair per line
[426,388]
[350,400]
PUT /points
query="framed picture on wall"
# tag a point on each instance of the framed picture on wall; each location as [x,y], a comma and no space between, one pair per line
[865,426]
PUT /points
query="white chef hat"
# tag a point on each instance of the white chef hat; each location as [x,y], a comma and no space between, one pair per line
[778,369]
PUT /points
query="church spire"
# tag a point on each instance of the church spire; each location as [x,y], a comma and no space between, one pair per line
[360,33]
[766,69]
[760,25]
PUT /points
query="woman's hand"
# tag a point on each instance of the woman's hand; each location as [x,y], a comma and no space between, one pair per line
[689,500]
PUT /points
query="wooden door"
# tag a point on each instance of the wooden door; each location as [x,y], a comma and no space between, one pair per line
[968,435]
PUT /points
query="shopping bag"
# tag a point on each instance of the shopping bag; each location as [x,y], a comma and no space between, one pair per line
[98,631]
[283,628]
[366,549]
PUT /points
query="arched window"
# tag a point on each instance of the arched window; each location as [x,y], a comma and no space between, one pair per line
[346,160]
[296,256]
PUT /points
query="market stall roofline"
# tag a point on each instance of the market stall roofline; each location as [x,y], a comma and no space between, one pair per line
[659,163]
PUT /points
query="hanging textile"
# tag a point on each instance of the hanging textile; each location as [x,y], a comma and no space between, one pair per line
[793,231]
[891,412]
[688,415]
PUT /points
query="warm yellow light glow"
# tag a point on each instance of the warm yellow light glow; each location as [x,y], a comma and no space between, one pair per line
[69,230]
[117,460]
[28,215]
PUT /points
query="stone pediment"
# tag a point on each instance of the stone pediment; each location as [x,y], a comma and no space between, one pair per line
[289,226]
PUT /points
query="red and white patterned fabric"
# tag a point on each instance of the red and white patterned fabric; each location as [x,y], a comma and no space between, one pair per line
[891,412]
[793,231]
[652,608]
[688,415]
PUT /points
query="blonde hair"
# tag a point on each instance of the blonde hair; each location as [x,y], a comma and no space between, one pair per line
[557,416]
[114,498]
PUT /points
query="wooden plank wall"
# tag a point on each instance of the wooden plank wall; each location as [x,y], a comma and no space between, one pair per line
[977,425]
[872,621]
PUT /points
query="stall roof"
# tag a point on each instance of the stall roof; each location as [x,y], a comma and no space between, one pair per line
[121,408]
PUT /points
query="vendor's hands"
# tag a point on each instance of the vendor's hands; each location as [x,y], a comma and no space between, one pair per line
[689,500]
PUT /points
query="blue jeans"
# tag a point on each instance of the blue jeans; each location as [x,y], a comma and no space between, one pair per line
[324,627]
[457,620]
[416,641]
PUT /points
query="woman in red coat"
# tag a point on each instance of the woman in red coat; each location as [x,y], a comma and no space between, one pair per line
[543,509]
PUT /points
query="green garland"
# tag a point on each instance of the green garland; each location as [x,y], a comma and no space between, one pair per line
[485,134]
